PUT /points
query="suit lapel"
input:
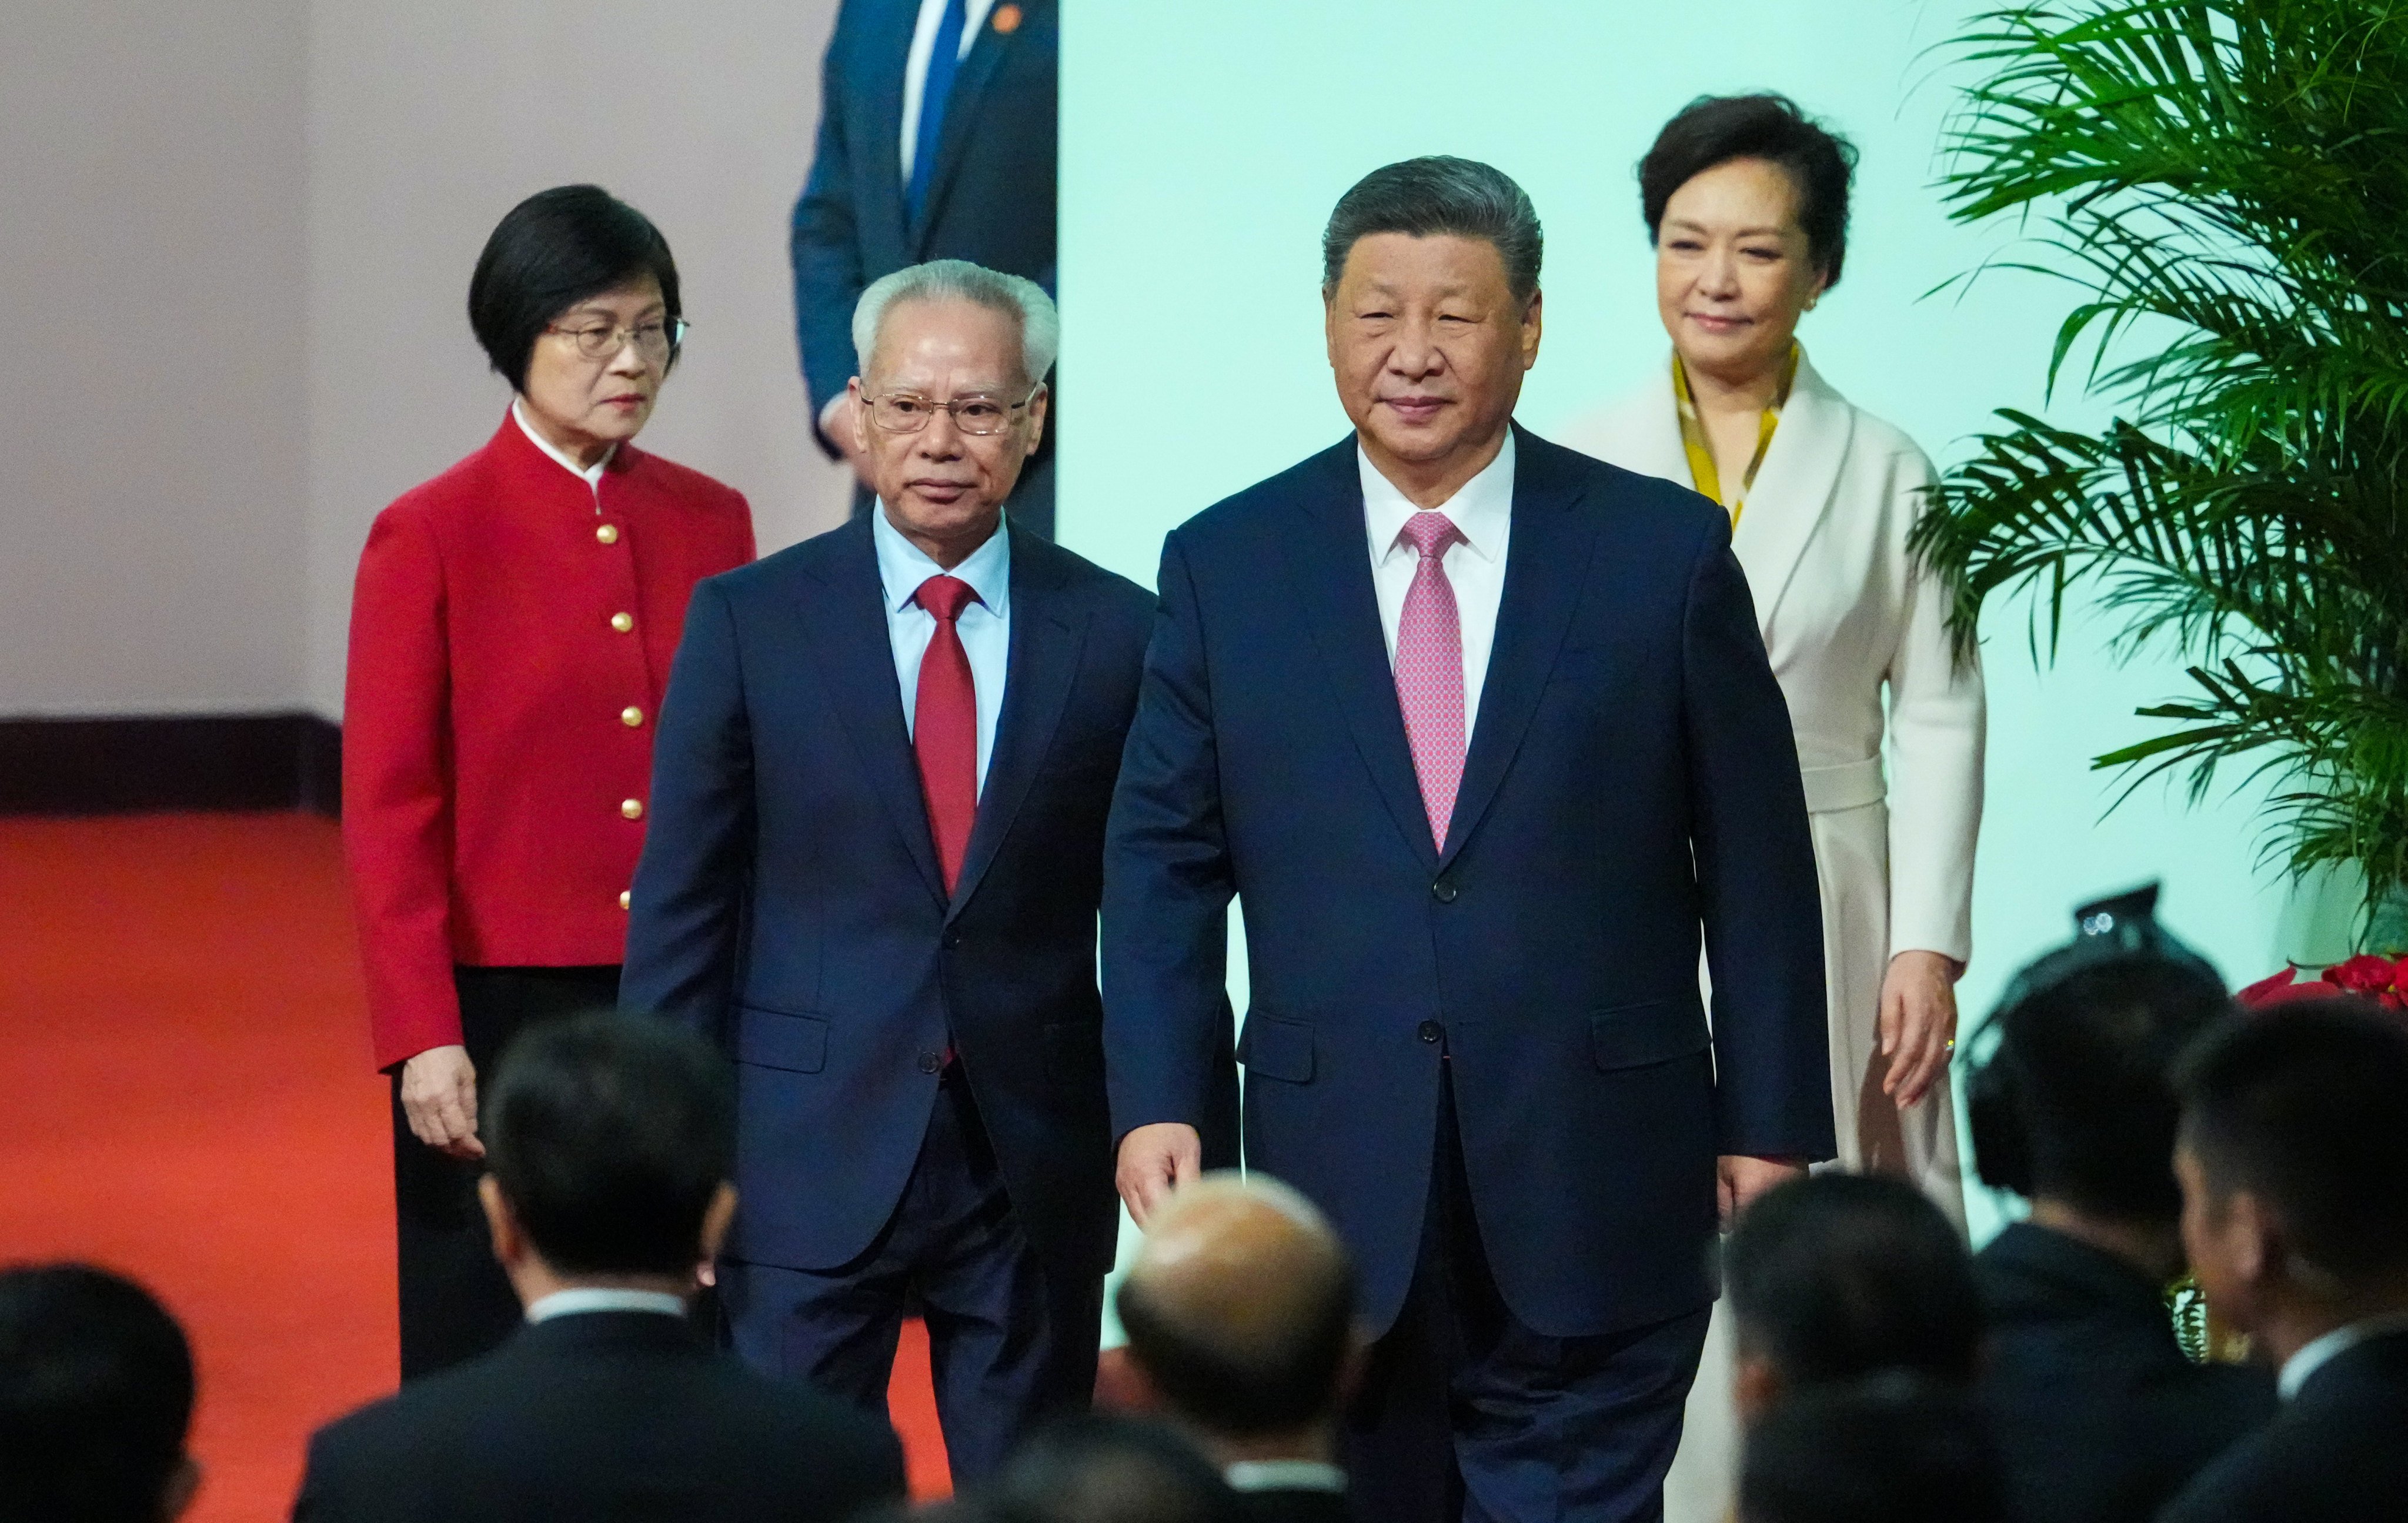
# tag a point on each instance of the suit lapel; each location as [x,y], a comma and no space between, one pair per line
[890,54]
[1048,634]
[1331,562]
[1794,489]
[857,658]
[970,81]
[1546,566]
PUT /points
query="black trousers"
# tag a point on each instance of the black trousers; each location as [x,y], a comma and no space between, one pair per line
[457,1303]
[1466,1415]
[1012,1341]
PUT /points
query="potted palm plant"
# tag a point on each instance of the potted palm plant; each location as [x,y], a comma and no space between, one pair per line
[2225,185]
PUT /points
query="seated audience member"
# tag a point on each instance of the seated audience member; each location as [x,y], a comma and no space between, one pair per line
[96,1399]
[2294,1166]
[1097,1467]
[610,1140]
[2098,1415]
[1834,1278]
[1240,1311]
[1890,1450]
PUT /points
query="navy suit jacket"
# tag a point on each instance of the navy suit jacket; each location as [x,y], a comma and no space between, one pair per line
[789,902]
[991,195]
[1630,779]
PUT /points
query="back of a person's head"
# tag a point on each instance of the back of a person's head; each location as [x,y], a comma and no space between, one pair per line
[1889,1450]
[96,1399]
[2086,1066]
[1835,1277]
[2305,1106]
[609,1135]
[1095,1468]
[1240,1308]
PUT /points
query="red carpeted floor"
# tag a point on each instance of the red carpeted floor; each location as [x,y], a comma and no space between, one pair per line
[189,1100]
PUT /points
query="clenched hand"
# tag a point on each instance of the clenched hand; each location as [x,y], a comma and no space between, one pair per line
[438,1096]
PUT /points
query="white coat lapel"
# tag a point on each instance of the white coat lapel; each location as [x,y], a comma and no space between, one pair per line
[1793,487]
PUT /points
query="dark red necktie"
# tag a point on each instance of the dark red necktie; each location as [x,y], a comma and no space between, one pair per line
[944,725]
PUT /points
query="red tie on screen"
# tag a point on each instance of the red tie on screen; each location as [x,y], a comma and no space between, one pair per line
[944,725]
[1429,669]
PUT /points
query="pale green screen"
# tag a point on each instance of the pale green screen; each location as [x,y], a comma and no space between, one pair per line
[1203,146]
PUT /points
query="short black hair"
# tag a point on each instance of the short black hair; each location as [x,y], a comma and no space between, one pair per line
[2090,1059]
[2306,1105]
[1715,129]
[1882,1451]
[95,1397]
[609,1135]
[551,250]
[1243,1393]
[1436,197]
[1835,1277]
[1101,1468]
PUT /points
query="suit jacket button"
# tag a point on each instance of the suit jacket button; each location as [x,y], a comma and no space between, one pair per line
[931,1062]
[1431,1032]
[952,939]
[1444,892]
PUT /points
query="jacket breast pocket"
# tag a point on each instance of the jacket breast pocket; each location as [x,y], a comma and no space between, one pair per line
[1642,1035]
[778,1039]
[1273,1048]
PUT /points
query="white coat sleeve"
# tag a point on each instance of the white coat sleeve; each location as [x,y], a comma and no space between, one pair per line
[1937,721]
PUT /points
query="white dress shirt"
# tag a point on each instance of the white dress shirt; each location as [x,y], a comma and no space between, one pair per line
[574,1301]
[1483,508]
[985,626]
[915,66]
[591,475]
[2320,1352]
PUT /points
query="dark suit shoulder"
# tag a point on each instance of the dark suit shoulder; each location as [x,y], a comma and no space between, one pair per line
[1106,590]
[1263,505]
[1603,486]
[822,557]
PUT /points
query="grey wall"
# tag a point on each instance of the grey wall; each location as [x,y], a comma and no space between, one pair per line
[237,240]
[153,510]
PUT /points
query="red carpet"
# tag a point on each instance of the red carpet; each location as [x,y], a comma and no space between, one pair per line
[191,1103]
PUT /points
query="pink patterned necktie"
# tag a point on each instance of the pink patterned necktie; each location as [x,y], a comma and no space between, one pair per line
[1429,669]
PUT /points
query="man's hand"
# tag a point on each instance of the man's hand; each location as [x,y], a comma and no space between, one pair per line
[1739,1179]
[836,422]
[438,1095]
[1154,1161]
[1918,1023]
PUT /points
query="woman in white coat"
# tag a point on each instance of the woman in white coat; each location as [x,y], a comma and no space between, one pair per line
[1746,202]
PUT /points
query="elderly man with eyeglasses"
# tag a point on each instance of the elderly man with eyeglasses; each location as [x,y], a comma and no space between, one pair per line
[873,876]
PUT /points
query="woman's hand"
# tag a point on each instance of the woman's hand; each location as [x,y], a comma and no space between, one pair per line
[1918,1023]
[438,1095]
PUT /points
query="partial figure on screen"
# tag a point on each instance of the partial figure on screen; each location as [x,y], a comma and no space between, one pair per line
[876,859]
[936,141]
[1481,733]
[511,630]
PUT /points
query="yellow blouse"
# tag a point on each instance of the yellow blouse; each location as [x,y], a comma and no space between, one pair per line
[1701,453]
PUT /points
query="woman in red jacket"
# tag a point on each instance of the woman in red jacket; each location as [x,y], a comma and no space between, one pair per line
[511,631]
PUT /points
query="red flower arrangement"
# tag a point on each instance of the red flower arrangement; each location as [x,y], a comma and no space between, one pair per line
[2366,975]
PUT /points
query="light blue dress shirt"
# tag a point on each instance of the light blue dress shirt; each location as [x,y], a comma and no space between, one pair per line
[985,626]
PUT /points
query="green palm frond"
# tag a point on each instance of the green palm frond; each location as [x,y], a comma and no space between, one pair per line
[2224,183]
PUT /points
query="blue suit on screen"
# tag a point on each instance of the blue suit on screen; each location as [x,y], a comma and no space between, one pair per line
[990,185]
[1526,997]
[921,1110]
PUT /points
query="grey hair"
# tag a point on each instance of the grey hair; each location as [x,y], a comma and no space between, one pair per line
[1425,197]
[958,280]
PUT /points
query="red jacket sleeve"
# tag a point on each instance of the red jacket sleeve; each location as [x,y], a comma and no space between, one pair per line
[398,788]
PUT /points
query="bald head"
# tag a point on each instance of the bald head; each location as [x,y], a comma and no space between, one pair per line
[1240,1307]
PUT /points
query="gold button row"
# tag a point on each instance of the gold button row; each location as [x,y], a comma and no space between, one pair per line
[632,808]
[608,534]
[631,716]
[623,622]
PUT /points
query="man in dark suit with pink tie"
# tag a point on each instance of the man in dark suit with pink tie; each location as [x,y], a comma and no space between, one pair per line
[1481,735]
[884,764]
